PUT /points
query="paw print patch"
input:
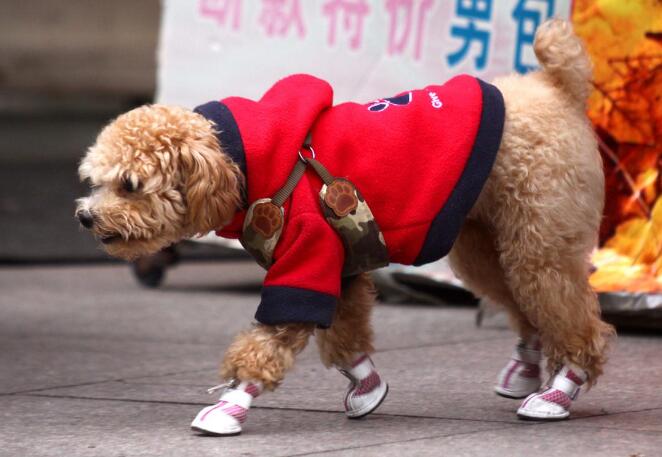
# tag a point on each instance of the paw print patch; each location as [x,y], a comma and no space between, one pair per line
[267,219]
[341,197]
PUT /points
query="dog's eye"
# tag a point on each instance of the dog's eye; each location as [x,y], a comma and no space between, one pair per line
[130,184]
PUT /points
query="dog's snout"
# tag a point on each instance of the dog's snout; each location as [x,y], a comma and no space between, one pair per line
[85,217]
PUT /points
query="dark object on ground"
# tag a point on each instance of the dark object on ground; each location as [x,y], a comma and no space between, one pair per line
[629,310]
[418,285]
[150,270]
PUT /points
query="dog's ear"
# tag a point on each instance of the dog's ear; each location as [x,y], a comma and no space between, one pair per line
[212,184]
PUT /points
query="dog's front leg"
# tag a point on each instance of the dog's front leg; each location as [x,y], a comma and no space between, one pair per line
[256,360]
[348,343]
[264,353]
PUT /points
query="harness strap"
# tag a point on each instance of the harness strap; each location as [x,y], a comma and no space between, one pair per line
[343,207]
[284,192]
[321,171]
[293,179]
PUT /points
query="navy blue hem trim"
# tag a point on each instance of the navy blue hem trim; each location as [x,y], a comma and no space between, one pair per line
[288,305]
[447,223]
[227,132]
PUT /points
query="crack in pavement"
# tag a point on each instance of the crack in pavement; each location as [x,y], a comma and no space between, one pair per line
[269,408]
[574,420]
[103,381]
[411,440]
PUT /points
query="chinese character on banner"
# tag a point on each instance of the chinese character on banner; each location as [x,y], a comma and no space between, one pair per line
[352,13]
[529,14]
[278,16]
[221,10]
[401,12]
[475,12]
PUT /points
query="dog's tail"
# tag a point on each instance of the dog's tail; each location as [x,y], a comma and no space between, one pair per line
[563,57]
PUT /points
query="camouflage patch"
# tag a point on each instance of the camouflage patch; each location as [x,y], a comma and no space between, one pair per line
[365,248]
[263,226]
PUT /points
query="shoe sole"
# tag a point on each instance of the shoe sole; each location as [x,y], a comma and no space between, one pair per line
[541,419]
[371,410]
[208,433]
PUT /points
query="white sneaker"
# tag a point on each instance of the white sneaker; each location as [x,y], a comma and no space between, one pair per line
[554,402]
[521,376]
[225,417]
[366,390]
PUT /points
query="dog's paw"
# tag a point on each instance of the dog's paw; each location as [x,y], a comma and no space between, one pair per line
[341,197]
[267,219]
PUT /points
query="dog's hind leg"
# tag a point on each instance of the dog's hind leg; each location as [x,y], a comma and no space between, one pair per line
[545,195]
[348,343]
[257,359]
[550,279]
[474,259]
[543,200]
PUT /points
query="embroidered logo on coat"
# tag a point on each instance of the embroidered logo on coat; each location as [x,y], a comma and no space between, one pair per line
[383,103]
[434,100]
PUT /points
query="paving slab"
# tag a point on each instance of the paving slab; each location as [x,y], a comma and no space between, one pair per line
[459,378]
[69,427]
[105,302]
[93,364]
[205,302]
[549,440]
[647,420]
[455,383]
[46,362]
[450,381]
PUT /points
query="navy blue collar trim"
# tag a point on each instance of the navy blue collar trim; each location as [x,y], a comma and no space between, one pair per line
[447,223]
[227,132]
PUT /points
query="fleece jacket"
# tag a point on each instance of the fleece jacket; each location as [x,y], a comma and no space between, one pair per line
[419,158]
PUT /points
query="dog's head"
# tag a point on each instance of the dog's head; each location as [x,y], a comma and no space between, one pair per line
[157,175]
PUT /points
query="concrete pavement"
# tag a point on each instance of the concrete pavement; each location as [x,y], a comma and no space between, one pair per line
[93,365]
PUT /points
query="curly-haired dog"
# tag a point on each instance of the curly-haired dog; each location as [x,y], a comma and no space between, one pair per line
[523,222]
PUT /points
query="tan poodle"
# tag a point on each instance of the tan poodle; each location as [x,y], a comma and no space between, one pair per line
[161,173]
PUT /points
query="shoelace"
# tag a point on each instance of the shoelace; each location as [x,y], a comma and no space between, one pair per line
[231,384]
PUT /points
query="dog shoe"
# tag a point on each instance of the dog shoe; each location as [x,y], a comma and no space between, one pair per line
[225,417]
[554,402]
[521,376]
[366,390]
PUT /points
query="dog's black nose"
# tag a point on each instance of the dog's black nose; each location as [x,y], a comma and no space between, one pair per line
[85,217]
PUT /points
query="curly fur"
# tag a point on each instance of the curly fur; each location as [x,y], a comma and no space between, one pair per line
[265,353]
[183,184]
[564,59]
[537,219]
[525,244]
[351,332]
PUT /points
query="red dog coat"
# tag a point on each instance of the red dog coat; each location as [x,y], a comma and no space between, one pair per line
[420,159]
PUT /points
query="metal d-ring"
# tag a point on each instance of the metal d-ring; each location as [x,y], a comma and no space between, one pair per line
[301,155]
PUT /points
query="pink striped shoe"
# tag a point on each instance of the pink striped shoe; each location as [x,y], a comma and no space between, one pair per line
[554,402]
[225,417]
[366,390]
[521,376]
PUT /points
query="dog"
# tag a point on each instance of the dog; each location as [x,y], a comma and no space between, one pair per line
[520,229]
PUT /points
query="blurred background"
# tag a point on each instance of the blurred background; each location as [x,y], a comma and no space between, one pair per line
[66,68]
